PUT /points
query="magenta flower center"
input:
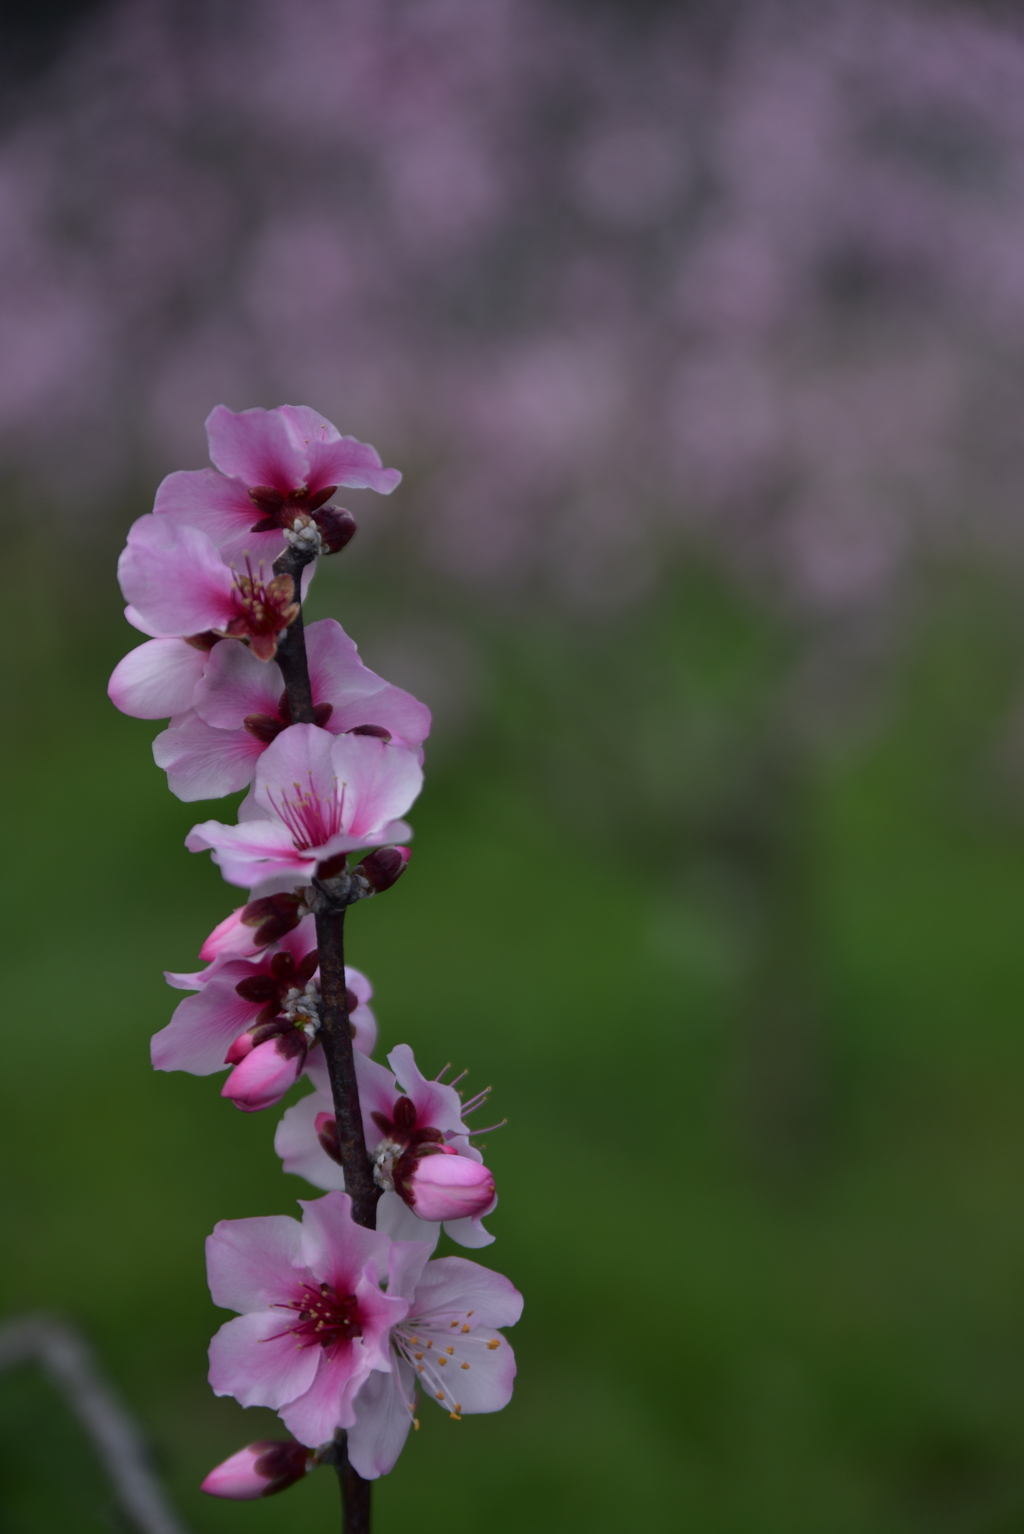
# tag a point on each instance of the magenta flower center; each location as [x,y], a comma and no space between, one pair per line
[323,1317]
[311,820]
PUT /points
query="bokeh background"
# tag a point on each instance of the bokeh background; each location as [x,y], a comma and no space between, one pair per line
[698,332]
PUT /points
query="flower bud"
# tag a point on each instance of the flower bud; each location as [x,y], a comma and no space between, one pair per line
[259,1470]
[446,1186]
[337,527]
[384,866]
[266,1071]
[272,916]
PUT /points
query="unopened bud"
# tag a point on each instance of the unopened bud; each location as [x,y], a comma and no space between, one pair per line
[337,527]
[265,1073]
[326,1126]
[384,867]
[272,916]
[259,1470]
[446,1186]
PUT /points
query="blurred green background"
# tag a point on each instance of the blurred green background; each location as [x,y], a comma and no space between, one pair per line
[760,1180]
[708,559]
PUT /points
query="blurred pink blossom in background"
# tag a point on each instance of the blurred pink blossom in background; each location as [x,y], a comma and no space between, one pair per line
[608,282]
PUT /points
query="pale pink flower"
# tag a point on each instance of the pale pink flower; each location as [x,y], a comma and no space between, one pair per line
[277,468]
[259,1470]
[240,705]
[313,1320]
[235,996]
[448,1344]
[158,679]
[316,796]
[418,1141]
[177,583]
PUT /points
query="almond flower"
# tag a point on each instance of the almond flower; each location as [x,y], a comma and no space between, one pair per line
[278,468]
[417,1139]
[448,1345]
[238,706]
[316,796]
[313,1323]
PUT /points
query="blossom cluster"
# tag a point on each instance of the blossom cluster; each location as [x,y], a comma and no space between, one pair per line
[344,1315]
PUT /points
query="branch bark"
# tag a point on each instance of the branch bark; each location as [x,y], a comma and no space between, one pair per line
[335,1032]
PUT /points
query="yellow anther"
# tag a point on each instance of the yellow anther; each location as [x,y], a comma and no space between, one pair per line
[419,1368]
[442,1360]
[449,1351]
[469,1312]
[458,1406]
[453,1323]
[440,1395]
[495,1342]
[465,1329]
[417,1355]
[429,1343]
[455,1416]
[416,1423]
[463,1366]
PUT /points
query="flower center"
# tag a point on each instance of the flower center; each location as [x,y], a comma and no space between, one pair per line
[323,1317]
[311,820]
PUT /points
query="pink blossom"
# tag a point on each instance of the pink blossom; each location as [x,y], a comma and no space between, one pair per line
[159,678]
[267,916]
[449,1344]
[313,1321]
[316,796]
[278,468]
[234,995]
[176,581]
[259,1470]
[406,1134]
[240,705]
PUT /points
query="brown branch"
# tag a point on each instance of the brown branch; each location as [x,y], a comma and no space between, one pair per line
[335,1032]
[72,1368]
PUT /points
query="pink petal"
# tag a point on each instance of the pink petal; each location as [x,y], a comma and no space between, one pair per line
[219,507]
[468,1232]
[157,679]
[454,1285]
[256,1263]
[256,447]
[396,1219]
[383,1413]
[202,1029]
[204,763]
[298,1147]
[438,1105]
[357,696]
[298,760]
[252,851]
[327,1404]
[251,1361]
[382,779]
[487,1384]
[378,1093]
[334,1247]
[235,684]
[172,574]
[333,459]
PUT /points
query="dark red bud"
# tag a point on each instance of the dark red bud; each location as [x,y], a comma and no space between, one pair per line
[273,916]
[281,1464]
[261,988]
[331,867]
[307,968]
[404,1114]
[384,866]
[337,527]
[376,730]
[282,966]
[314,502]
[327,1133]
[263,727]
[321,713]
[266,498]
